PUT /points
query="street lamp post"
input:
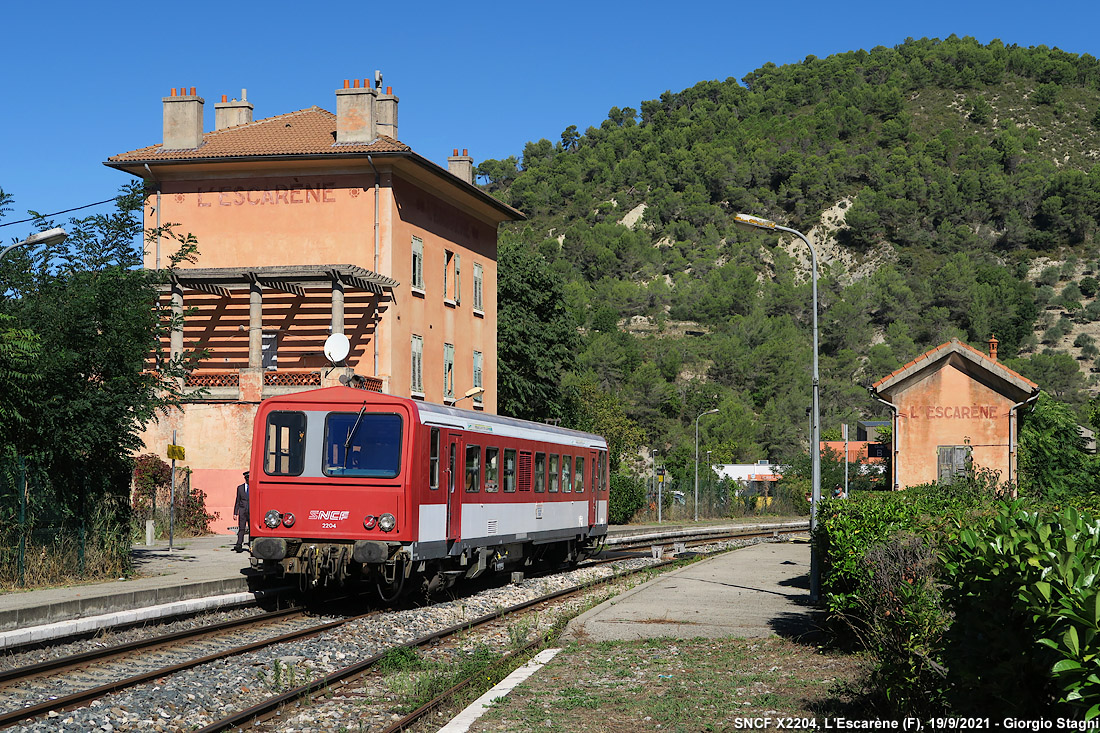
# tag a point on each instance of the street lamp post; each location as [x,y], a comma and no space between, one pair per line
[656,486]
[708,412]
[710,484]
[815,428]
[50,236]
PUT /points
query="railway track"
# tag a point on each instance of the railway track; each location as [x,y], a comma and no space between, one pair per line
[68,682]
[49,688]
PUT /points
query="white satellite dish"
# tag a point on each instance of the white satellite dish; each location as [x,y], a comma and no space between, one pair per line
[337,348]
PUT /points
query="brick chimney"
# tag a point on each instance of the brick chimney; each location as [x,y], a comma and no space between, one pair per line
[993,347]
[182,120]
[231,114]
[355,113]
[385,113]
[461,166]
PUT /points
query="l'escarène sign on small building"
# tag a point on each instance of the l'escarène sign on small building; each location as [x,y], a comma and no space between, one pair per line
[955,409]
[952,412]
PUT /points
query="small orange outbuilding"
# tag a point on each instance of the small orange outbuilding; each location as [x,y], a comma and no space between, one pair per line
[954,408]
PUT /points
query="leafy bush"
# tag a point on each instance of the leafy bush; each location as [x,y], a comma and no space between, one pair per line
[902,623]
[1042,646]
[847,529]
[151,474]
[1088,286]
[626,499]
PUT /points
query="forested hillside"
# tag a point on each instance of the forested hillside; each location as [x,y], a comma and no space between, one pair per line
[952,189]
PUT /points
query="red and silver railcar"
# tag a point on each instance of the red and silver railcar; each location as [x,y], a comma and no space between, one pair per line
[348,484]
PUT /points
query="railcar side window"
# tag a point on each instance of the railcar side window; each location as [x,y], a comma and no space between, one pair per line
[578,477]
[362,444]
[285,444]
[473,468]
[509,469]
[601,477]
[566,471]
[433,460]
[540,472]
[554,475]
[492,468]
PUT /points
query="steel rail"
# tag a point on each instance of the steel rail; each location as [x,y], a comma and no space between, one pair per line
[250,717]
[79,660]
[78,698]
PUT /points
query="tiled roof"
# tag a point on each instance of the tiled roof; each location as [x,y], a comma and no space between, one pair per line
[944,350]
[309,131]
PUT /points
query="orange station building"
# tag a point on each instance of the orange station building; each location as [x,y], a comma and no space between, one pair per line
[955,408]
[312,223]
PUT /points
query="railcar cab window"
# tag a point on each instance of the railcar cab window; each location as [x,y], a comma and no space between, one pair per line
[362,444]
[492,468]
[566,470]
[284,444]
[433,460]
[578,476]
[540,472]
[554,475]
[473,468]
[509,469]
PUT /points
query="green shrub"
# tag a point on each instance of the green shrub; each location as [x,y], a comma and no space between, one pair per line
[848,528]
[626,499]
[902,622]
[1088,286]
[1041,646]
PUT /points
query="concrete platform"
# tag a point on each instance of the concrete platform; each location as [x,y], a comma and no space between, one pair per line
[752,592]
[197,567]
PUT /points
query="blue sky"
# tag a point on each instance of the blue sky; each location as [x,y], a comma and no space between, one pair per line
[83,81]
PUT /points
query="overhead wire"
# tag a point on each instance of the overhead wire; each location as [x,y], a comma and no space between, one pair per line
[66,211]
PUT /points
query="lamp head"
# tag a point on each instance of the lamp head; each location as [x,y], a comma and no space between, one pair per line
[754,221]
[57,235]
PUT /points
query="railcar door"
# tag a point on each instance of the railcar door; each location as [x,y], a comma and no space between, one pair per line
[593,480]
[454,497]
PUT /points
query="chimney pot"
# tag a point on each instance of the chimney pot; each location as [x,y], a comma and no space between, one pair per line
[461,166]
[455,153]
[355,114]
[173,91]
[225,98]
[234,113]
[182,120]
[993,347]
[385,114]
[465,152]
[355,84]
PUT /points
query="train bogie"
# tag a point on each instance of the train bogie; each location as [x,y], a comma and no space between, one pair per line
[361,486]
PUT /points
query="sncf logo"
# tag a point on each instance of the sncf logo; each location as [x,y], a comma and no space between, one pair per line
[320,514]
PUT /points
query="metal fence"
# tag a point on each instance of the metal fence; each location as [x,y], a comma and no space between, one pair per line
[48,530]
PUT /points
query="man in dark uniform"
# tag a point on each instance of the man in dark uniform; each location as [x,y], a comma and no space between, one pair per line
[240,513]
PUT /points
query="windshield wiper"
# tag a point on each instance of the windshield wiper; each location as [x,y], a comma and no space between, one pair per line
[351,433]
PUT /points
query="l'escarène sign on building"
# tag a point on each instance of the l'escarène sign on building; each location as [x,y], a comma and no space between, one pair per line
[949,412]
[955,409]
[281,195]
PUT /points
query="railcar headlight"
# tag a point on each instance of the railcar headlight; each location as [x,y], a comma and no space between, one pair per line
[370,521]
[288,520]
[273,518]
[387,522]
